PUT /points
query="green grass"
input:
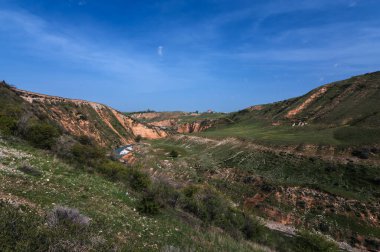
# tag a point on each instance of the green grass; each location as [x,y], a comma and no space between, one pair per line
[110,205]
[227,164]
[346,114]
[202,116]
[261,132]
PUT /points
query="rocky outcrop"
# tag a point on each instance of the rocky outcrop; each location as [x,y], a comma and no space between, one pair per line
[194,127]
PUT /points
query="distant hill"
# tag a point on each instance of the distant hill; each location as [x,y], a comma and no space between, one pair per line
[354,102]
[178,121]
[333,113]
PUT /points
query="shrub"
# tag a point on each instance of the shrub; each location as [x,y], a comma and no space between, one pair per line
[362,153]
[63,147]
[85,140]
[112,169]
[165,194]
[138,138]
[87,155]
[252,228]
[67,216]
[42,135]
[137,179]
[30,170]
[8,125]
[148,204]
[173,154]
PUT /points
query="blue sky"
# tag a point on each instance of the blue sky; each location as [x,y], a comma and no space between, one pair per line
[186,55]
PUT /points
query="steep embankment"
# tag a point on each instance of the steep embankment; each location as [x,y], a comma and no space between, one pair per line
[104,124]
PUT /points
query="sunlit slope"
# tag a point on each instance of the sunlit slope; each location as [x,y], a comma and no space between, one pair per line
[344,112]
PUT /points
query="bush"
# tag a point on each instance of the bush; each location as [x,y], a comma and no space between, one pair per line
[138,138]
[87,155]
[112,169]
[8,125]
[165,194]
[27,169]
[42,135]
[85,140]
[173,154]
[362,153]
[252,228]
[66,217]
[148,204]
[137,180]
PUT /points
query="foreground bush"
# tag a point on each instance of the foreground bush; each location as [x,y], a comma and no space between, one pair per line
[22,229]
[87,154]
[148,204]
[42,135]
[137,179]
[67,216]
[30,170]
[8,125]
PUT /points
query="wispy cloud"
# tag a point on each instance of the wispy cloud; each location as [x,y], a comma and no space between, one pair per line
[230,48]
[160,51]
[40,39]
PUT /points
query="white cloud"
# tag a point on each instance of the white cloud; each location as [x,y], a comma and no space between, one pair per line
[160,51]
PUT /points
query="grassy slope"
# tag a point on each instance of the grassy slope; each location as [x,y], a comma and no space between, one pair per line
[108,204]
[227,165]
[347,114]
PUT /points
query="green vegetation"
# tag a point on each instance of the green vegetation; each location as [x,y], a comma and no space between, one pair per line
[309,242]
[346,114]
[173,154]
[42,135]
[123,203]
[240,170]
[267,134]
[110,206]
[192,193]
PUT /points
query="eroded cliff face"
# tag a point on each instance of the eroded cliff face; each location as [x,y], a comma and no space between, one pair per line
[105,125]
[194,127]
[306,103]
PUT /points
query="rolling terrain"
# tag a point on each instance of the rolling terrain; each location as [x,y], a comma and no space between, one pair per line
[344,113]
[296,175]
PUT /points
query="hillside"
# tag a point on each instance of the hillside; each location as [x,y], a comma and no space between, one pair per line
[179,122]
[63,190]
[103,124]
[341,113]
[51,204]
